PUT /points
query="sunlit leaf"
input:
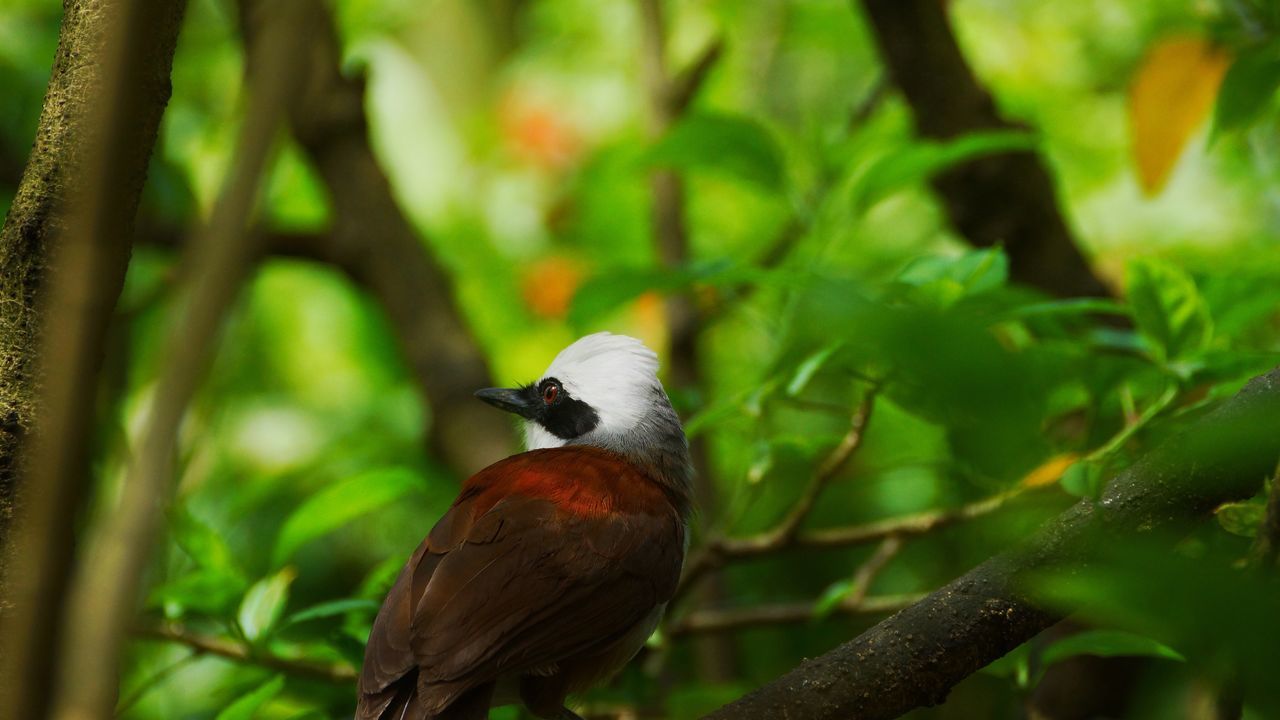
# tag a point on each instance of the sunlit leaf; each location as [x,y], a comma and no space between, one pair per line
[808,368]
[264,603]
[732,145]
[247,706]
[943,280]
[832,597]
[1168,309]
[331,609]
[1050,471]
[1171,94]
[339,504]
[208,591]
[1083,479]
[761,462]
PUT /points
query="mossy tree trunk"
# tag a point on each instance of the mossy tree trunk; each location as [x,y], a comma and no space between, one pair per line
[36,218]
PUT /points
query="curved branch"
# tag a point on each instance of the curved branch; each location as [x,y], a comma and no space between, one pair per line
[914,658]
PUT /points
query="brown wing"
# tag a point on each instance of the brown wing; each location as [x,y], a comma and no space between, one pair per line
[527,586]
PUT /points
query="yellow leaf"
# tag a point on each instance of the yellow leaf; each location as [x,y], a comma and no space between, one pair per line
[1049,471]
[1171,94]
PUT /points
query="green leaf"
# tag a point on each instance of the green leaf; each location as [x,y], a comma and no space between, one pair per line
[209,591]
[810,367]
[731,145]
[943,280]
[200,542]
[1249,85]
[264,603]
[1241,518]
[248,704]
[916,162]
[832,597]
[339,504]
[1168,309]
[608,291]
[330,609]
[1107,643]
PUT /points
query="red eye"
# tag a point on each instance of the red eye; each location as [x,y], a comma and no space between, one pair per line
[550,393]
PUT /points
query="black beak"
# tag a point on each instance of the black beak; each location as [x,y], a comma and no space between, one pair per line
[513,400]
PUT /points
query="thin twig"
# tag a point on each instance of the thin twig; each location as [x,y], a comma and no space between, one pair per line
[1132,427]
[685,87]
[782,535]
[871,567]
[902,526]
[708,621]
[235,651]
[831,466]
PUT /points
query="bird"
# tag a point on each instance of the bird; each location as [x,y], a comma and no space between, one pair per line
[553,566]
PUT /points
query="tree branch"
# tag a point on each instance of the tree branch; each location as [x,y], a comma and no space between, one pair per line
[713,621]
[226,648]
[914,658]
[374,243]
[1004,199]
[855,602]
[63,252]
[716,551]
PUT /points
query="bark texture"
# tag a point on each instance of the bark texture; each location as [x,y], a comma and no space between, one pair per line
[373,241]
[1008,198]
[63,252]
[914,658]
[35,220]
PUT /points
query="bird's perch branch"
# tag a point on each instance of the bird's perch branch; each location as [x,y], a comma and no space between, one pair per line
[915,657]
[1007,198]
[238,652]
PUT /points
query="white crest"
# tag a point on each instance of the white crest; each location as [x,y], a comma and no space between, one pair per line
[616,375]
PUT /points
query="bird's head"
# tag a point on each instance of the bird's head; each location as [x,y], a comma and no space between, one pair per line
[603,390]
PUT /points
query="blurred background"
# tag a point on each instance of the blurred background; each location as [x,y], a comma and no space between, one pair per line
[961,285]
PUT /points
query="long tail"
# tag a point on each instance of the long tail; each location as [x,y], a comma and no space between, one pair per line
[400,701]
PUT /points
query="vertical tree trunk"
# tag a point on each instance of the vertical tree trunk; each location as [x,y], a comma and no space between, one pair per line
[64,248]
[34,220]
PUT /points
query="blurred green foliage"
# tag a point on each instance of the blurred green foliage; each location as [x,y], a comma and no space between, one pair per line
[523,156]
